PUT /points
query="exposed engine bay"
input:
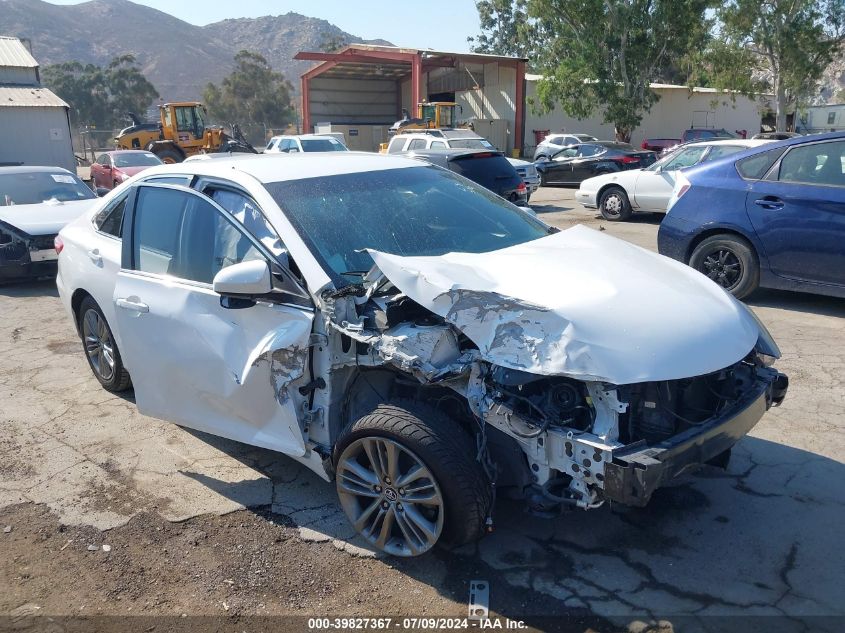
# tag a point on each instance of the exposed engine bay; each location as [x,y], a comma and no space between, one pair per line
[562,437]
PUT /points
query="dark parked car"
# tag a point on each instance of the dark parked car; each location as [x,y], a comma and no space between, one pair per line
[572,165]
[705,134]
[773,216]
[487,168]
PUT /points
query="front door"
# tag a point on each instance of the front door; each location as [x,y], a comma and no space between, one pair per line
[654,184]
[559,168]
[229,372]
[799,213]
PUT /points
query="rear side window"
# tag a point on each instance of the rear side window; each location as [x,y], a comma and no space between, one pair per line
[110,219]
[438,145]
[719,151]
[182,235]
[755,167]
[397,144]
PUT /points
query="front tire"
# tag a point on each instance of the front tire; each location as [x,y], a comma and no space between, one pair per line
[407,479]
[730,261]
[169,156]
[100,348]
[614,205]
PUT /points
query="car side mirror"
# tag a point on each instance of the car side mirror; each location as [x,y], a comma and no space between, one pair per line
[101,191]
[239,284]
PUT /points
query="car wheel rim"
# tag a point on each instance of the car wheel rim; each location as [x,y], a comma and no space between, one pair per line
[724,267]
[390,496]
[613,204]
[98,344]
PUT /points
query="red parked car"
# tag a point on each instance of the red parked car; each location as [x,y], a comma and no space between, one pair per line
[112,168]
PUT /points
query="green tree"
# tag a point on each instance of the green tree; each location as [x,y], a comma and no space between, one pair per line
[101,97]
[779,45]
[505,29]
[252,93]
[605,53]
[331,43]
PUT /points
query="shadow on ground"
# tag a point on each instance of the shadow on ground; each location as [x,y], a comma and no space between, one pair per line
[760,539]
[39,288]
[798,302]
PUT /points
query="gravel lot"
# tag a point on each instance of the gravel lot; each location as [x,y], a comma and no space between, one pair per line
[197,525]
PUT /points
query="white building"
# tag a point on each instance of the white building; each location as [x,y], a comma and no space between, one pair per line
[679,108]
[823,118]
[34,122]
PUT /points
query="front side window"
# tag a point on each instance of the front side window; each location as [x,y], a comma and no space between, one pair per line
[397,144]
[438,145]
[816,164]
[184,119]
[181,234]
[245,210]
[417,143]
[110,219]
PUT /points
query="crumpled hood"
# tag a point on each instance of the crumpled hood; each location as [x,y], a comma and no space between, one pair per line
[581,304]
[45,218]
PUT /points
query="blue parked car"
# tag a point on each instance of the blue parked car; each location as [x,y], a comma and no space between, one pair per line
[772,216]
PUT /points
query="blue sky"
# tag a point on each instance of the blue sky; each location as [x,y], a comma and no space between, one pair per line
[438,24]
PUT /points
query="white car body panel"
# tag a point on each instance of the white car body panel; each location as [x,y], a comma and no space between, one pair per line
[212,369]
[572,304]
[45,218]
[647,190]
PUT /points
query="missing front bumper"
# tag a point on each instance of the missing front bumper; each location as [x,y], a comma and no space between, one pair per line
[638,470]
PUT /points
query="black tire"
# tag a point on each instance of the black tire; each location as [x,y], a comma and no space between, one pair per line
[118,380]
[730,261]
[543,181]
[445,449]
[169,156]
[614,205]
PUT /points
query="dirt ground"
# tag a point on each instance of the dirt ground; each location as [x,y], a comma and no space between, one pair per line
[105,513]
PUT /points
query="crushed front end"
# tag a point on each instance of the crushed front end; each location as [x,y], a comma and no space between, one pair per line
[587,442]
[25,256]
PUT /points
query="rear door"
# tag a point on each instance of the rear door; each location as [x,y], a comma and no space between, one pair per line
[654,187]
[798,213]
[229,372]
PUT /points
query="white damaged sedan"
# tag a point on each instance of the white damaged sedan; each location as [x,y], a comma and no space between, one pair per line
[411,337]
[35,203]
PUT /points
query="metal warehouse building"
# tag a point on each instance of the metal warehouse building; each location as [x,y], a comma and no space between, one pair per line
[34,123]
[362,90]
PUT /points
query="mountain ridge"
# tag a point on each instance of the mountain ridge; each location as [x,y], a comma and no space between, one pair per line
[98,30]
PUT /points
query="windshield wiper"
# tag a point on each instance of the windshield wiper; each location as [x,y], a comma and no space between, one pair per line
[356,273]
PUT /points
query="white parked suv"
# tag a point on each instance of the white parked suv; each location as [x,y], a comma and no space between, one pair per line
[292,144]
[617,195]
[410,336]
[462,139]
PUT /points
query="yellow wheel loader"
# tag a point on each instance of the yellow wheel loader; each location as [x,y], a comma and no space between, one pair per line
[181,132]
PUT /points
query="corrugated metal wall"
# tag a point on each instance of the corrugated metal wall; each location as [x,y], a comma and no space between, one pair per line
[22,76]
[36,136]
[354,101]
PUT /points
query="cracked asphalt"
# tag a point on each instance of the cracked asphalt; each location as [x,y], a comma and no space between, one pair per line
[761,539]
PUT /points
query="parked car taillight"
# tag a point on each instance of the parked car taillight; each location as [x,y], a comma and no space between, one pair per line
[629,159]
[521,188]
[682,185]
[58,244]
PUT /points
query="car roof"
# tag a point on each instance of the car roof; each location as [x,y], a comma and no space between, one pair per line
[746,142]
[452,152]
[304,136]
[28,169]
[267,168]
[126,151]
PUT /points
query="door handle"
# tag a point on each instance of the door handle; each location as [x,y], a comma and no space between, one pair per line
[94,256]
[133,306]
[770,202]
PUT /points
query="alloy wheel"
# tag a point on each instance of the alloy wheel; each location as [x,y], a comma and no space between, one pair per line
[724,267]
[390,496]
[99,345]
